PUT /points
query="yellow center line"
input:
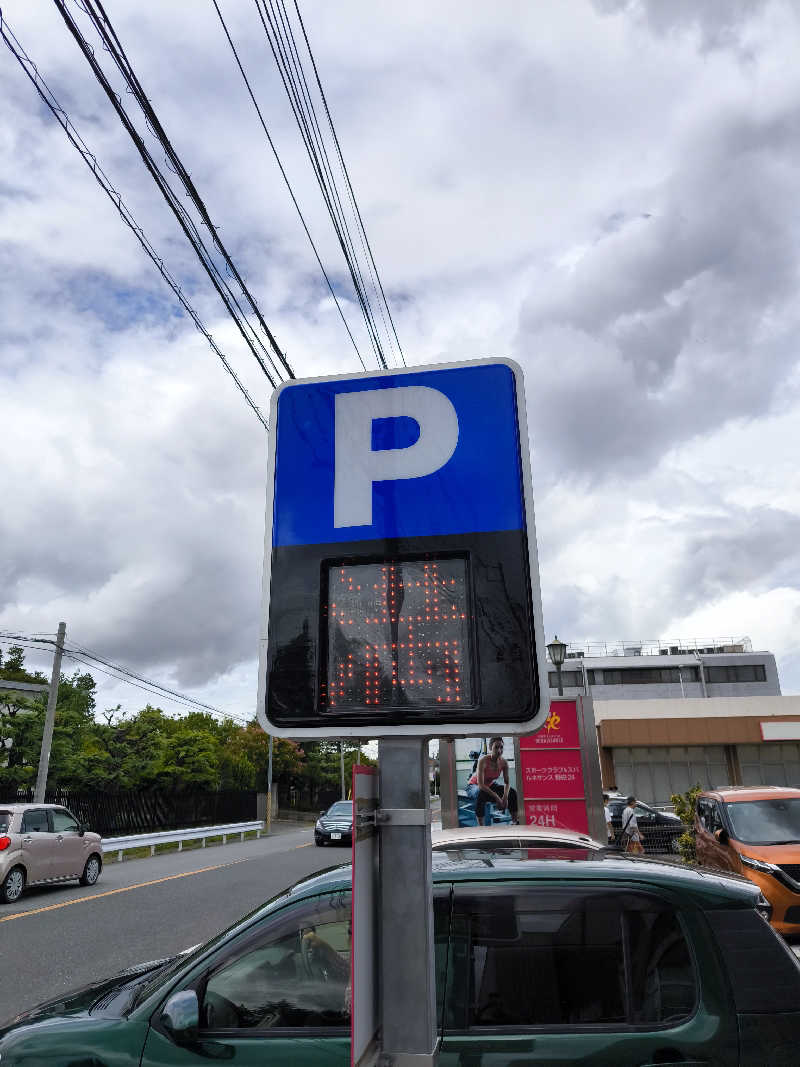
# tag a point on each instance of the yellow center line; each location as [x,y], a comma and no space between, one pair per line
[113,892]
[305,845]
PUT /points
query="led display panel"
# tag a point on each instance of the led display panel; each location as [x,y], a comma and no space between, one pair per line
[398,636]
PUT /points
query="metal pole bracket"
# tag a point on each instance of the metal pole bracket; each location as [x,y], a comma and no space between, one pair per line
[403,816]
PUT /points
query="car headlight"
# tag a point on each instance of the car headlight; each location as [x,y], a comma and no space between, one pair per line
[758,865]
[319,825]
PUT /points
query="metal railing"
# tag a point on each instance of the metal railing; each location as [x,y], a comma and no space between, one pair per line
[658,647]
[165,837]
[660,839]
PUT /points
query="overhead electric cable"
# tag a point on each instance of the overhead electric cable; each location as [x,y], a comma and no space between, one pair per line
[119,673]
[38,82]
[330,195]
[319,141]
[278,32]
[127,673]
[346,173]
[157,691]
[230,300]
[96,12]
[287,182]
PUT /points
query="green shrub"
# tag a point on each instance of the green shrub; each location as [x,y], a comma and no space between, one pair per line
[684,804]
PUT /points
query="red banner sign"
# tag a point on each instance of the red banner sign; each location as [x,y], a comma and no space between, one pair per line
[553,789]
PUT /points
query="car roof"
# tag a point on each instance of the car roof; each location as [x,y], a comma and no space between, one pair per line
[733,794]
[26,807]
[706,888]
[464,835]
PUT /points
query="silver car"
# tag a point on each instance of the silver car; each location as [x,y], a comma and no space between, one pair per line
[44,843]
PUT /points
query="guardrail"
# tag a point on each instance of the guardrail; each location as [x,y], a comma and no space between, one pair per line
[200,833]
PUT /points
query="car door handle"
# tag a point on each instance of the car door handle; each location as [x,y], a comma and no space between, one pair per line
[59,839]
[27,840]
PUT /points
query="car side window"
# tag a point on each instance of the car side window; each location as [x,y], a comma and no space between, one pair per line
[701,810]
[295,973]
[573,957]
[63,822]
[713,821]
[35,822]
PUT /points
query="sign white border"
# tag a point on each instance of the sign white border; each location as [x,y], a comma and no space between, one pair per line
[377,730]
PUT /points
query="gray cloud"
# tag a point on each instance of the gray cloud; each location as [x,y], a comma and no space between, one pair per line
[633,350]
[717,23]
[745,549]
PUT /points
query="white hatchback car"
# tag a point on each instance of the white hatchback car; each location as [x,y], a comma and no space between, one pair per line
[44,843]
[513,838]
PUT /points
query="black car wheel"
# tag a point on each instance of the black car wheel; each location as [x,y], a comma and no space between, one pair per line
[13,884]
[91,872]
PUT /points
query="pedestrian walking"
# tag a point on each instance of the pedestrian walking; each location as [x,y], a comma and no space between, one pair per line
[630,838]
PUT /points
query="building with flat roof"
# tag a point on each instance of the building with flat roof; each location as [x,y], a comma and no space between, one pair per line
[671,714]
[659,670]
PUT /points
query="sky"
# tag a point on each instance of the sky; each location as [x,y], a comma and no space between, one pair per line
[604,191]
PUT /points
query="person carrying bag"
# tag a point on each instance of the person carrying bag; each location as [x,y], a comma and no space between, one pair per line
[630,838]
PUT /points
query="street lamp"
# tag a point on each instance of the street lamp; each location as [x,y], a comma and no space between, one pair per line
[557,651]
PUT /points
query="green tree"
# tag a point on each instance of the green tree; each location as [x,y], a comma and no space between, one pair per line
[22,724]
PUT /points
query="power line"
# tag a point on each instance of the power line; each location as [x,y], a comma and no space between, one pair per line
[280,36]
[128,673]
[118,673]
[38,82]
[346,173]
[158,691]
[296,86]
[114,47]
[287,182]
[231,302]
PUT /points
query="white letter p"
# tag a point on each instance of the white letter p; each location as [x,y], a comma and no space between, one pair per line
[357,466]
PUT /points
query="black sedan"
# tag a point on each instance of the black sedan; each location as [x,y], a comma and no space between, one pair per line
[660,830]
[335,826]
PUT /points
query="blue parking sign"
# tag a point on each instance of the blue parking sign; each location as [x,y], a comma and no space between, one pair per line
[401,588]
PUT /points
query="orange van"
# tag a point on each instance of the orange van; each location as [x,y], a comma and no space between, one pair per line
[755,831]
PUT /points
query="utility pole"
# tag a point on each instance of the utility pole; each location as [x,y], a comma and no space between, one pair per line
[50,717]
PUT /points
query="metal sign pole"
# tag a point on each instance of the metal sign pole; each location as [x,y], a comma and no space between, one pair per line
[407,983]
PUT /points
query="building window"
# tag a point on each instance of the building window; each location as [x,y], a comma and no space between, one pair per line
[644,676]
[746,672]
[568,678]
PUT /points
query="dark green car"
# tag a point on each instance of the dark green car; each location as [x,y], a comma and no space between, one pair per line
[595,961]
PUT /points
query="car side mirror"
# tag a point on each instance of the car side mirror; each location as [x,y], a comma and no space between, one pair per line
[322,813]
[82,828]
[722,836]
[180,1017]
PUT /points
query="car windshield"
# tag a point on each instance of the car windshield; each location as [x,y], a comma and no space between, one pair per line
[766,822]
[340,808]
[5,821]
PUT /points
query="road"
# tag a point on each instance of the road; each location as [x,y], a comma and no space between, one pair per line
[58,938]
